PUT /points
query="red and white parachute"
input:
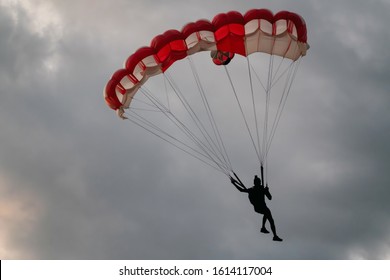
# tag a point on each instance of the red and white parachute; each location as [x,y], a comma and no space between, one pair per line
[278,41]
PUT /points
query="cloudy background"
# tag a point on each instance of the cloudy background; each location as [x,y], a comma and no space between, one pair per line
[78,183]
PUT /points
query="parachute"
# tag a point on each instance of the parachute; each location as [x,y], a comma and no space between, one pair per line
[266,46]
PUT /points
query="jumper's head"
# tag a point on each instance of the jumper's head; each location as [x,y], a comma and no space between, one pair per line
[257,181]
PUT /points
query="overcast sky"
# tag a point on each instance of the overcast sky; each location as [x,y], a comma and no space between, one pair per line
[76,182]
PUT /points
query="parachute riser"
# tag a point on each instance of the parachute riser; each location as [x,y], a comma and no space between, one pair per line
[262,175]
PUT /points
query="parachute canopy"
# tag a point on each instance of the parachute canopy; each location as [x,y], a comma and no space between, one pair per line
[259,30]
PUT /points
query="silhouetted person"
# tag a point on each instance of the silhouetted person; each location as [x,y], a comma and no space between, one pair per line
[257,196]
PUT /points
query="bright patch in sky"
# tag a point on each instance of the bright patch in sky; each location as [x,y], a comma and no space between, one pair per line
[42,14]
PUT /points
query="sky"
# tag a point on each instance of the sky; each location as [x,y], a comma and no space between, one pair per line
[76,182]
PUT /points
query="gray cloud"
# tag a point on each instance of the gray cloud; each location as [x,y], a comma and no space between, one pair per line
[78,183]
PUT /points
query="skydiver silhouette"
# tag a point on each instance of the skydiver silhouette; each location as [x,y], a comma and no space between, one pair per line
[257,196]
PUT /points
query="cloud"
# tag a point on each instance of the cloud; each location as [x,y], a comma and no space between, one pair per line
[78,183]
